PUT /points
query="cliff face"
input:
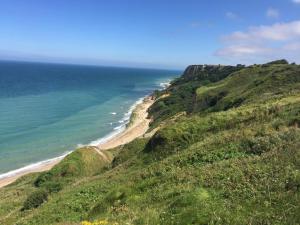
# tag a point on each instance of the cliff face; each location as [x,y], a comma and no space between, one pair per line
[193,70]
[196,69]
[237,148]
[209,72]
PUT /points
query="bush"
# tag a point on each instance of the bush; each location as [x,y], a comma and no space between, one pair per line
[280,61]
[35,199]
[114,198]
[259,145]
[293,181]
[53,187]
[43,178]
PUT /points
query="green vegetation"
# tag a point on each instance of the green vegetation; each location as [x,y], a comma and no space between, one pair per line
[35,199]
[256,84]
[81,163]
[232,157]
[181,94]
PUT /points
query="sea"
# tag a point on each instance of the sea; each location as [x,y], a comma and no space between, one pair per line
[48,110]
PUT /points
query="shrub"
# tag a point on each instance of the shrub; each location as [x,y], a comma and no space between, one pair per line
[280,61]
[114,198]
[295,122]
[35,199]
[53,187]
[43,178]
[293,181]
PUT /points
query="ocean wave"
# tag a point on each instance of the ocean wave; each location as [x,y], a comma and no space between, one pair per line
[119,129]
[107,137]
[32,166]
[164,84]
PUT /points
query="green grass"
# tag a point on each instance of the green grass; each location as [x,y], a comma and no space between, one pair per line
[238,164]
[83,162]
[182,92]
[254,84]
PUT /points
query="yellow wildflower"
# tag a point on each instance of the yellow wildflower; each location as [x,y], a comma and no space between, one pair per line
[98,222]
[86,223]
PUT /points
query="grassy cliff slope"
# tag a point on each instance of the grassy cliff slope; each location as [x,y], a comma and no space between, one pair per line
[226,152]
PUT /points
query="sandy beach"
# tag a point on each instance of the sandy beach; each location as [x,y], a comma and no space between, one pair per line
[43,167]
[137,127]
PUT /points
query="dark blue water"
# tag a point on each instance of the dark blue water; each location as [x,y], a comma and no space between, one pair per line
[49,109]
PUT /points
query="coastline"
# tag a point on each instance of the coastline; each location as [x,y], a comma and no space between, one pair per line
[136,127]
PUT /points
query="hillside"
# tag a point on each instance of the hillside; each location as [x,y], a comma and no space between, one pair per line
[225,150]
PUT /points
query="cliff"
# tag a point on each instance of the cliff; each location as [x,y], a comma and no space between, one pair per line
[223,148]
[209,71]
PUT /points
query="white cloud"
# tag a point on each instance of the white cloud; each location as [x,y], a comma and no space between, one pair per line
[296,1]
[275,32]
[272,13]
[280,40]
[231,15]
[241,50]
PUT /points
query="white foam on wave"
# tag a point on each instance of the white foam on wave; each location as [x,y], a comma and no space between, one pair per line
[32,166]
[80,145]
[119,129]
[107,137]
[164,84]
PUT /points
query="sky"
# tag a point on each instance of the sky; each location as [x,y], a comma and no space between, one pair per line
[150,33]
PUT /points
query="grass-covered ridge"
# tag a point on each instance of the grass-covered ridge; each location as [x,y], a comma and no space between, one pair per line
[256,84]
[216,163]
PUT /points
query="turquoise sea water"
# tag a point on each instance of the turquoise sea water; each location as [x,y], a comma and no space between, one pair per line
[47,110]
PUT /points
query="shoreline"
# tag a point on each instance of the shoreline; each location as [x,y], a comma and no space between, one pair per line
[136,127]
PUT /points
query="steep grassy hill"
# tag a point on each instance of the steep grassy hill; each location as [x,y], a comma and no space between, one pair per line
[226,151]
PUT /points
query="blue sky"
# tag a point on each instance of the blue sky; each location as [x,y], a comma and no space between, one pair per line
[144,33]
